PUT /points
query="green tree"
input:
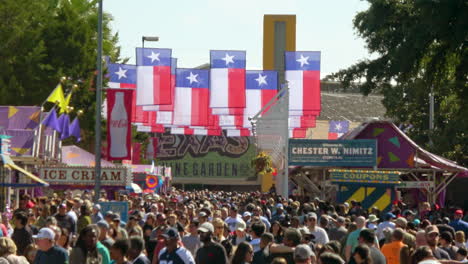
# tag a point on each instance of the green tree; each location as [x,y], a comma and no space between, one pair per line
[42,41]
[419,45]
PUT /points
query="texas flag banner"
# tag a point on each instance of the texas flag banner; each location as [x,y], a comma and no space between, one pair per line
[119,131]
[191,107]
[153,76]
[227,81]
[303,77]
[302,121]
[337,128]
[261,87]
[242,132]
[298,132]
[151,129]
[168,107]
[121,75]
[195,131]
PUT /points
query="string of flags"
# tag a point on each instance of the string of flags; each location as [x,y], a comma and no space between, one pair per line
[223,97]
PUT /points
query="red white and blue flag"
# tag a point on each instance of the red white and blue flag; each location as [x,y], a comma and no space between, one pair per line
[153,76]
[337,128]
[227,85]
[191,106]
[303,77]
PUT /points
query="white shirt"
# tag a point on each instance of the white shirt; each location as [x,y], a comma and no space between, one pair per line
[382,226]
[231,222]
[321,236]
[255,244]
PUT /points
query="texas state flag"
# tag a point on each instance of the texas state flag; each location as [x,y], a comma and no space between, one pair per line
[227,81]
[195,131]
[124,76]
[121,75]
[191,105]
[153,76]
[303,77]
[337,128]
[261,87]
[302,121]
[241,132]
[298,132]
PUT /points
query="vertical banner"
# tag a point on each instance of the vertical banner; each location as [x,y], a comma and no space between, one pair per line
[136,149]
[119,132]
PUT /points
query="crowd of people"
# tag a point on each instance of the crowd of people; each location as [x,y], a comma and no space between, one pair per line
[216,227]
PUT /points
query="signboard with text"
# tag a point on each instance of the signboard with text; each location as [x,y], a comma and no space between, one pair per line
[415,184]
[70,175]
[117,207]
[364,176]
[199,157]
[336,153]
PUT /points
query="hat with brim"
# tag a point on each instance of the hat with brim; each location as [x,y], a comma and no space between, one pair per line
[372,218]
[206,227]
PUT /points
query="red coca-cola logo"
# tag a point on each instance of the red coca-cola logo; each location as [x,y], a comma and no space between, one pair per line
[119,123]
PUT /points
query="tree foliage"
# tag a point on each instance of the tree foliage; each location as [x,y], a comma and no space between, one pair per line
[43,40]
[420,44]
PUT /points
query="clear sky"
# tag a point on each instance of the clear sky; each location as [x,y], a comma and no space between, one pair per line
[193,27]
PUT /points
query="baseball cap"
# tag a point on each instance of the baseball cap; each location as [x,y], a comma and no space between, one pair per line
[246,214]
[432,229]
[389,216]
[45,233]
[202,214]
[206,227]
[240,225]
[401,222]
[279,206]
[171,233]
[312,215]
[97,206]
[458,212]
[303,252]
[103,224]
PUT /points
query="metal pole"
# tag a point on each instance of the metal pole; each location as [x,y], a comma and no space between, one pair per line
[97,151]
[284,182]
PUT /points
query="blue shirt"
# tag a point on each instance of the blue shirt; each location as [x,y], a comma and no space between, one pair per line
[460,225]
[55,255]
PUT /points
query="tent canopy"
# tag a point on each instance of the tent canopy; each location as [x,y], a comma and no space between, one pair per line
[397,151]
[75,156]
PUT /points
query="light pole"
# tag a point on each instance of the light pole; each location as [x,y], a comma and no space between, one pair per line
[148,38]
[97,128]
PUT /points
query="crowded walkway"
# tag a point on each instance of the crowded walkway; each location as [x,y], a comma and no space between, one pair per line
[216,227]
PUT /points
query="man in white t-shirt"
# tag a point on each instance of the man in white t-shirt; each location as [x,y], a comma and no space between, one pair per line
[233,219]
[384,225]
[321,236]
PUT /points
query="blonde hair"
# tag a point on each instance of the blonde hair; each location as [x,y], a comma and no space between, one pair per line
[460,237]
[7,246]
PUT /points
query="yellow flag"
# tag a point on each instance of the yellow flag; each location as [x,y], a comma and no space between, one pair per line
[66,103]
[57,96]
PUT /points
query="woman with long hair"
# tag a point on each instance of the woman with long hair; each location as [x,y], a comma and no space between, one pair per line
[85,250]
[63,240]
[243,254]
[277,232]
[361,255]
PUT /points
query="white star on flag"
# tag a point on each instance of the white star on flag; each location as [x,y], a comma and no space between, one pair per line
[261,79]
[338,127]
[192,78]
[303,60]
[153,56]
[228,59]
[121,73]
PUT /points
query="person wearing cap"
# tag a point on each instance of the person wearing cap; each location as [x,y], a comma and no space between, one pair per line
[211,251]
[458,224]
[321,236]
[240,235]
[246,216]
[432,239]
[303,255]
[257,211]
[64,220]
[97,215]
[339,231]
[279,213]
[372,222]
[121,232]
[103,234]
[174,253]
[384,225]
[48,252]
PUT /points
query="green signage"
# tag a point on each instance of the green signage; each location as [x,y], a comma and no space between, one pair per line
[206,156]
[333,153]
[365,176]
